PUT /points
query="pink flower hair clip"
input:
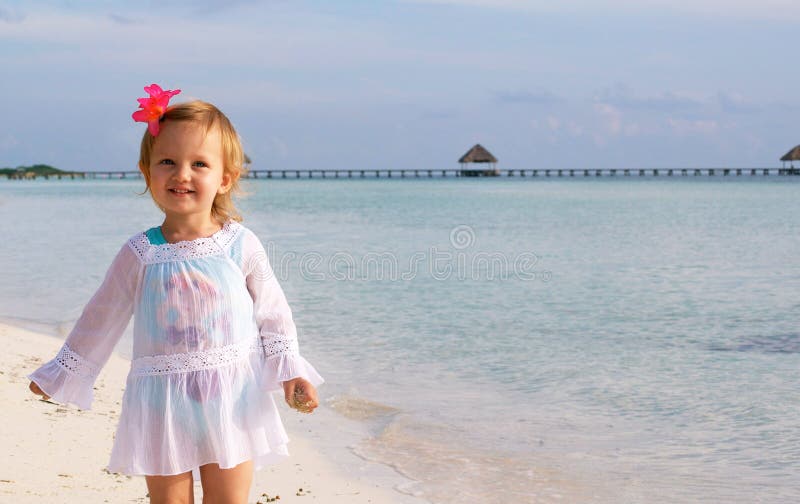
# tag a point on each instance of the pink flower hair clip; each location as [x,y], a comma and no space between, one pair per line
[152,108]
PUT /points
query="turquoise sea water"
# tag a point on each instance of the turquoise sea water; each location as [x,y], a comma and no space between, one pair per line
[540,340]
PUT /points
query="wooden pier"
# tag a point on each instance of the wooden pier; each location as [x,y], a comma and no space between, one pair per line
[454,172]
[406,173]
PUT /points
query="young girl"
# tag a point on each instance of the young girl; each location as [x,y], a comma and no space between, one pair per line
[213,335]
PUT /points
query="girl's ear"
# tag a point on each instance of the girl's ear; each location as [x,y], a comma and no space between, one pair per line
[145,173]
[227,182]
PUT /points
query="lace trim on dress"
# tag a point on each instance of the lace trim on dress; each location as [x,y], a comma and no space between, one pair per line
[193,361]
[277,343]
[75,364]
[190,249]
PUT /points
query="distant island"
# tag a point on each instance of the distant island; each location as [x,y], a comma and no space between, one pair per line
[37,170]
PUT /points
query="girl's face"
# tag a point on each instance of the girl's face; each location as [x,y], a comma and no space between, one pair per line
[186,168]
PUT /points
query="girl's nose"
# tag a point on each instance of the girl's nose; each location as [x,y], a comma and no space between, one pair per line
[182,172]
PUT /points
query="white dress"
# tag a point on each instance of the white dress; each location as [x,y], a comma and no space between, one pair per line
[213,336]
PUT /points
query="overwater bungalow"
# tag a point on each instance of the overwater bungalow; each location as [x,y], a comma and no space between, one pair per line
[791,156]
[478,154]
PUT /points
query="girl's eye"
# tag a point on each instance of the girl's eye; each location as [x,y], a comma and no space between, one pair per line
[166,162]
[200,164]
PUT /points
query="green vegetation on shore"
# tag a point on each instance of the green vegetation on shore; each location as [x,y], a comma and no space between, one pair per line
[38,169]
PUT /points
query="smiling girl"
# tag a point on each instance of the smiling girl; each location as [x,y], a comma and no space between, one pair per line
[213,333]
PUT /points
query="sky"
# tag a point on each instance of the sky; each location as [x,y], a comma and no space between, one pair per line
[410,83]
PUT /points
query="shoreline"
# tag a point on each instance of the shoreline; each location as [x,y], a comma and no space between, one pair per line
[59,452]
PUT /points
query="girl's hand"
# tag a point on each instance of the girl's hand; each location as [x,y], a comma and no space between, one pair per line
[300,394]
[36,390]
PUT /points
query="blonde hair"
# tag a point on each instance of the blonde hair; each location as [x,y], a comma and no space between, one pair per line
[207,116]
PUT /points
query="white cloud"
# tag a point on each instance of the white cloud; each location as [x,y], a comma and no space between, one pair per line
[574,129]
[611,116]
[154,41]
[632,129]
[9,15]
[778,10]
[623,97]
[692,127]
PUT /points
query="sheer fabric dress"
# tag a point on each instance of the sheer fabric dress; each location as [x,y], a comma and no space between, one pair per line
[213,336]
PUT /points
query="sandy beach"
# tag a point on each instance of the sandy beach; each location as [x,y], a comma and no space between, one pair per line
[58,453]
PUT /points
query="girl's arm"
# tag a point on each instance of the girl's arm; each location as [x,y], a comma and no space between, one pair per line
[69,377]
[286,368]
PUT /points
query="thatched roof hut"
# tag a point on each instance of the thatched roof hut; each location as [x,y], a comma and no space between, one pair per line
[792,155]
[478,154]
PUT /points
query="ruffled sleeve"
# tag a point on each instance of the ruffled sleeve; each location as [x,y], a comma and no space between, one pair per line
[69,377]
[274,319]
